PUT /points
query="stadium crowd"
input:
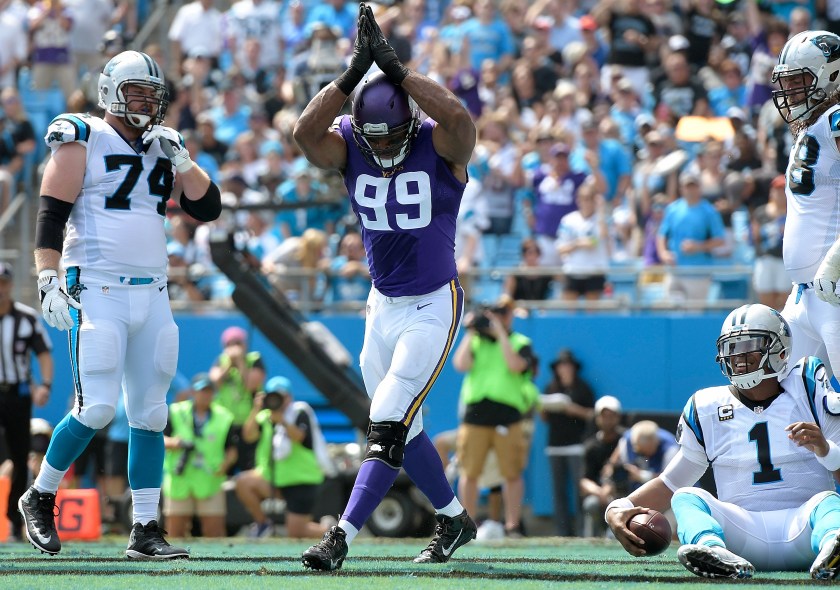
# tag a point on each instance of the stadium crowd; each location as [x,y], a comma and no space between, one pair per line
[643,103]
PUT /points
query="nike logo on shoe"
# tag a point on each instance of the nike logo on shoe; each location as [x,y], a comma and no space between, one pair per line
[41,538]
[419,307]
[447,551]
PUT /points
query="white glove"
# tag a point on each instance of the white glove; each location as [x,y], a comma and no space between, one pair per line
[55,303]
[171,144]
[825,281]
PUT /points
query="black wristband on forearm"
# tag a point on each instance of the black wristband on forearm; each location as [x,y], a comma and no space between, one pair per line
[52,218]
[395,71]
[207,208]
[348,81]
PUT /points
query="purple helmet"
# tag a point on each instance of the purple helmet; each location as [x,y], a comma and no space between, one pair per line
[385,121]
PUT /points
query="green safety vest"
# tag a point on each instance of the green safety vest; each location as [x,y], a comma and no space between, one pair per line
[491,379]
[299,467]
[232,394]
[198,479]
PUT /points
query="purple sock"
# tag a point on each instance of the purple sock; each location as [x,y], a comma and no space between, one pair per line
[374,480]
[423,466]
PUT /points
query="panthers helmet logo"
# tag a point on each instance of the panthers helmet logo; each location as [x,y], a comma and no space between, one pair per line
[829,45]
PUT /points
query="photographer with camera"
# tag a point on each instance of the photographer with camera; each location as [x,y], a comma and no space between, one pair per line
[291,461]
[200,448]
[497,392]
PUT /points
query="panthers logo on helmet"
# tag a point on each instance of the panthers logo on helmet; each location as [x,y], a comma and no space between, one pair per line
[829,45]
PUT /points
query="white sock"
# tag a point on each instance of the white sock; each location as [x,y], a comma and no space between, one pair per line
[145,504]
[452,509]
[48,478]
[349,529]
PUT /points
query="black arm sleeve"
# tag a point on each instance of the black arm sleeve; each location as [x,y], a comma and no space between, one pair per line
[52,217]
[207,208]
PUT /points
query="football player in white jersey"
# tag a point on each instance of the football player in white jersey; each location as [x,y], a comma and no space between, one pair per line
[107,183]
[771,440]
[808,76]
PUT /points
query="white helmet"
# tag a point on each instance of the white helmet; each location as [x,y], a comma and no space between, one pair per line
[811,52]
[754,328]
[134,68]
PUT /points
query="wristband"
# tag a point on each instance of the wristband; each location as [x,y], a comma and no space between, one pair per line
[348,81]
[621,503]
[831,461]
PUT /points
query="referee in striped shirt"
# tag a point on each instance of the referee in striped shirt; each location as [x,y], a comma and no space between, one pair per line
[21,334]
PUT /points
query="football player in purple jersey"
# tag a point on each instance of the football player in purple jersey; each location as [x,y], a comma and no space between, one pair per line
[405,179]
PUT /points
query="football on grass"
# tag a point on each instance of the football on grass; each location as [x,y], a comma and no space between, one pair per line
[654,529]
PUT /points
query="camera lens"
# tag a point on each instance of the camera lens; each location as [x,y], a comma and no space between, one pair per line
[273,400]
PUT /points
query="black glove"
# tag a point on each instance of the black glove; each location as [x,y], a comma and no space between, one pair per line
[362,58]
[383,54]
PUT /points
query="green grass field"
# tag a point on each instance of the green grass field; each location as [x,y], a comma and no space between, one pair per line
[373,564]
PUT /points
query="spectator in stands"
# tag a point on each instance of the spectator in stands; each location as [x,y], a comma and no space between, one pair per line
[597,153]
[691,230]
[770,280]
[567,407]
[528,287]
[17,145]
[703,26]
[641,455]
[679,94]
[584,243]
[502,173]
[50,24]
[349,276]
[471,222]
[632,37]
[230,117]
[624,111]
[91,20]
[293,264]
[650,254]
[13,44]
[596,493]
[302,187]
[340,14]
[321,61]
[181,286]
[733,91]
[292,461]
[496,394]
[237,375]
[555,187]
[196,30]
[200,449]
[488,38]
[255,19]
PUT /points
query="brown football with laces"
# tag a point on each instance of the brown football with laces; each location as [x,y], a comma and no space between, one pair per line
[654,529]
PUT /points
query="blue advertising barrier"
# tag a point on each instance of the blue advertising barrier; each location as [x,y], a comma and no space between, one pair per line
[652,363]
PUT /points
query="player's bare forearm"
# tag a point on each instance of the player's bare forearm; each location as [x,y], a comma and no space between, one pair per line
[194,183]
[47,258]
[654,494]
[451,116]
[322,147]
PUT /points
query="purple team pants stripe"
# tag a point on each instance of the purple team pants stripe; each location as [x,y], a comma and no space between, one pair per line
[457,295]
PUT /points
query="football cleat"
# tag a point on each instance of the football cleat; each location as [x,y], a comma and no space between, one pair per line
[147,542]
[38,512]
[826,564]
[714,562]
[329,554]
[450,533]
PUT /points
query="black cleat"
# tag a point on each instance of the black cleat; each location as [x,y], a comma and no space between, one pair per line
[38,512]
[329,554]
[450,533]
[147,542]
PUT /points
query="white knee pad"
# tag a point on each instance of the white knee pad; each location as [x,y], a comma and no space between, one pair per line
[96,416]
[157,418]
[166,351]
[99,348]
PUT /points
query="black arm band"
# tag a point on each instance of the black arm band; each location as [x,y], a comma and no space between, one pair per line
[52,217]
[207,208]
